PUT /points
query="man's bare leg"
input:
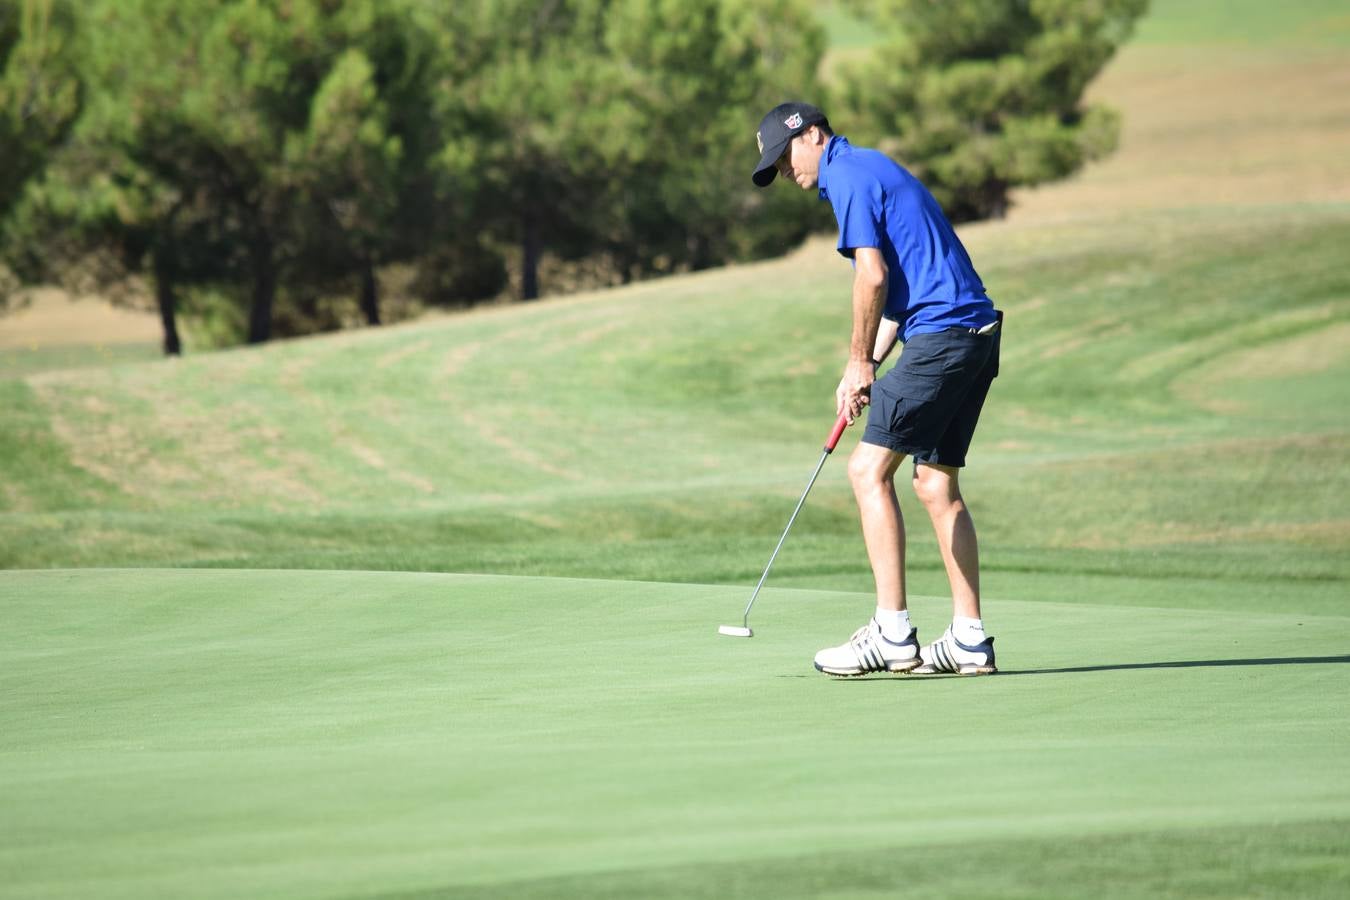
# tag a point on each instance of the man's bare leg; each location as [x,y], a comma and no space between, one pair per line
[872,469]
[889,642]
[939,490]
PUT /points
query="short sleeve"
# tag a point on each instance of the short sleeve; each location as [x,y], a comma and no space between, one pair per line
[857,209]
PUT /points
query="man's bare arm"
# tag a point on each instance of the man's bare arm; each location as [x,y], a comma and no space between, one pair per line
[869,299]
[887,332]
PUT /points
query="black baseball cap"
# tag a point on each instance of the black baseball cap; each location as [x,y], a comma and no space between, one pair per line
[783,123]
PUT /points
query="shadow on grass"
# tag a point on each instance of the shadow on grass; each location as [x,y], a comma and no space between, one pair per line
[1187,664]
[1294,860]
[1113,667]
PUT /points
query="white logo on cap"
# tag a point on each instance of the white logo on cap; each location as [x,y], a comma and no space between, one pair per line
[793,121]
[759,139]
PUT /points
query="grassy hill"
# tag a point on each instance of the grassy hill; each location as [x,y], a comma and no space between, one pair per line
[1172,401]
[193,702]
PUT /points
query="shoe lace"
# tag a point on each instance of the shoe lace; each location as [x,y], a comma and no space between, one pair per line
[862,636]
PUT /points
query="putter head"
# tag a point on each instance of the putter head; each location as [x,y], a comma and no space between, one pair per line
[735,631]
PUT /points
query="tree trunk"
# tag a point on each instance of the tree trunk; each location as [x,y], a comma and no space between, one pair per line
[370,294]
[996,200]
[264,291]
[167,305]
[529,264]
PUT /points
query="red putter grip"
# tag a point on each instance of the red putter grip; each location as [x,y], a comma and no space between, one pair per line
[839,427]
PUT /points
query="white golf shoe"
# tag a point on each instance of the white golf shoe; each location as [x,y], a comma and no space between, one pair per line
[947,655]
[869,651]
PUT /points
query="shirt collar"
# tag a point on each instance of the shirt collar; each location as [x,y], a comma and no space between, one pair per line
[838,144]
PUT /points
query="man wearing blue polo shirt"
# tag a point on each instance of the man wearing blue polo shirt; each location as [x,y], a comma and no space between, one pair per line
[912,277]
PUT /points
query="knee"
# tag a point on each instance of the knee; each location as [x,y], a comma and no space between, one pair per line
[935,489]
[865,474]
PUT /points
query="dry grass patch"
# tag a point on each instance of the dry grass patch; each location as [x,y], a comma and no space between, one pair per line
[50,317]
[1214,126]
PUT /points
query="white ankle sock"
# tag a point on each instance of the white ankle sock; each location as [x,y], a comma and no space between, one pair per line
[968,631]
[894,624]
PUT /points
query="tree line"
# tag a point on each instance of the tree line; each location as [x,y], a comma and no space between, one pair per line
[246,160]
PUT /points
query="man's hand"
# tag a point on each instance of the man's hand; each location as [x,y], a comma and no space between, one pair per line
[855,389]
[869,299]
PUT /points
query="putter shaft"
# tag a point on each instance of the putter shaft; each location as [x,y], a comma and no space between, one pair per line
[745,619]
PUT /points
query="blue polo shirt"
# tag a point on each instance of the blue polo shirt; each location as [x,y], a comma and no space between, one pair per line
[932,285]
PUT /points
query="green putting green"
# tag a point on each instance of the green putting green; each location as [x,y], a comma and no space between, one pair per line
[357,734]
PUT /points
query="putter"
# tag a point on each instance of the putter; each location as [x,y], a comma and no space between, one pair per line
[743,630]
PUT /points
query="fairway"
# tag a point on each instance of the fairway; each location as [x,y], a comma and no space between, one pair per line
[353,734]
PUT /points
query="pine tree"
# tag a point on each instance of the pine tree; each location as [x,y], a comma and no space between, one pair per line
[982,96]
[39,90]
[626,130]
[271,151]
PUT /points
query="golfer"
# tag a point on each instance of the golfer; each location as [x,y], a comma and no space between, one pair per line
[912,278]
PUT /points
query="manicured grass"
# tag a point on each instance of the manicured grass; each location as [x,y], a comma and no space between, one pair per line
[843,29]
[1245,22]
[1188,23]
[1172,403]
[16,362]
[305,734]
[1159,482]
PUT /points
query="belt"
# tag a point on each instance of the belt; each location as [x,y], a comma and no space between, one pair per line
[992,327]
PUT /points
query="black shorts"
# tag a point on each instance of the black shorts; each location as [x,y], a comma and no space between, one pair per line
[927,406]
